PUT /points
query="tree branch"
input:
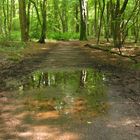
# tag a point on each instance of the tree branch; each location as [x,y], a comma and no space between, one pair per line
[112,52]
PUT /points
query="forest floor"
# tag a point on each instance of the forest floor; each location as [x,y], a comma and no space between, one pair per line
[122,120]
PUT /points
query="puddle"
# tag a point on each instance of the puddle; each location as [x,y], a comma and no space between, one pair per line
[70,93]
[69,104]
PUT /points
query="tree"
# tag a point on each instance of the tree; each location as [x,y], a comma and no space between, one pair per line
[64,17]
[23,21]
[44,26]
[117,12]
[115,20]
[101,19]
[83,22]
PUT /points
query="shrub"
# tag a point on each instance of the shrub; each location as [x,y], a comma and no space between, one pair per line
[63,36]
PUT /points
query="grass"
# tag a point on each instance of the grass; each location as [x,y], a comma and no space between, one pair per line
[136,66]
[11,50]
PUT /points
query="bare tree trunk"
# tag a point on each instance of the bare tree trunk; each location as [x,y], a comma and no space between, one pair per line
[136,29]
[101,18]
[117,13]
[5,19]
[83,15]
[44,23]
[64,16]
[28,17]
[23,21]
[108,25]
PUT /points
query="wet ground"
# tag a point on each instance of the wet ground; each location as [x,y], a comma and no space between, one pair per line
[65,93]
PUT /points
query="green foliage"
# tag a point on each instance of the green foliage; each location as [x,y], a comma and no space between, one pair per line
[12,50]
[137,66]
[15,24]
[12,46]
[63,36]
[62,17]
[35,34]
[15,35]
[35,29]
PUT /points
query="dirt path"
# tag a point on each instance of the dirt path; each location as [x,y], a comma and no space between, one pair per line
[121,122]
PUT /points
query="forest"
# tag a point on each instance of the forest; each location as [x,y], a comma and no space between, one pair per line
[76,19]
[69,69]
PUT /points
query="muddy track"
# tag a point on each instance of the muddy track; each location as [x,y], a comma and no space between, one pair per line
[59,57]
[122,121]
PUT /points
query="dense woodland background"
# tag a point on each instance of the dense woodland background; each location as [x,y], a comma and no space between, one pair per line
[112,20]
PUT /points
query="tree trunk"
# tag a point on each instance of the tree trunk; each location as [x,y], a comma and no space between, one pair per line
[83,15]
[23,20]
[44,25]
[117,13]
[64,16]
[5,19]
[108,25]
[136,29]
[28,17]
[101,18]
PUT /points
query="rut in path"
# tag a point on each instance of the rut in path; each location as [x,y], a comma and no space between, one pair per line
[67,57]
[56,57]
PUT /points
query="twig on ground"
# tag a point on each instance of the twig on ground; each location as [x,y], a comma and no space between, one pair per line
[112,52]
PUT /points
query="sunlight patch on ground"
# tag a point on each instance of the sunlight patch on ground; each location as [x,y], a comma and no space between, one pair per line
[126,121]
[48,133]
[47,115]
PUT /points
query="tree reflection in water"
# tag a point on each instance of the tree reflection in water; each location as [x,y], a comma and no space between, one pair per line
[68,92]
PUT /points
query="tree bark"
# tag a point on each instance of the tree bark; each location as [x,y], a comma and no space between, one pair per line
[101,19]
[116,22]
[44,23]
[83,15]
[23,21]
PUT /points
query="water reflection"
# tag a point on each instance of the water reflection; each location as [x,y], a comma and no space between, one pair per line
[80,92]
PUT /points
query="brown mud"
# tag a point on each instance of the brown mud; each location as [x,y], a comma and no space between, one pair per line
[116,117]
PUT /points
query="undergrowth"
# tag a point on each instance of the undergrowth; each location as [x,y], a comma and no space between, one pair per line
[63,36]
[12,50]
